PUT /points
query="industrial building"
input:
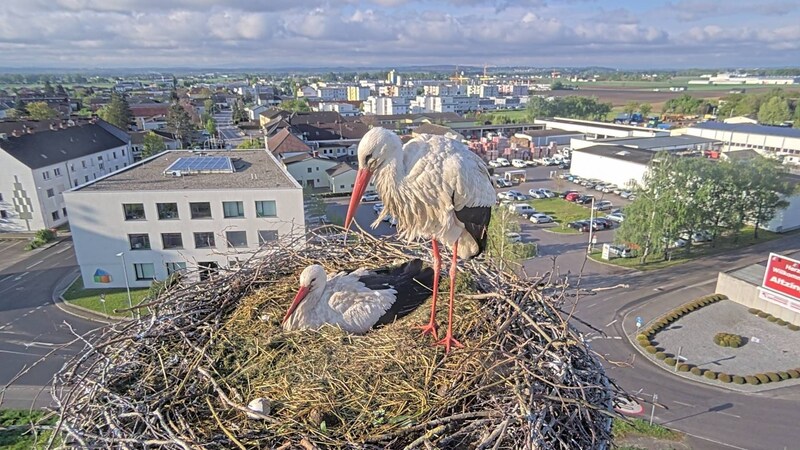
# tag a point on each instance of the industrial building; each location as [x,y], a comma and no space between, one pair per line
[777,141]
[599,130]
[181,210]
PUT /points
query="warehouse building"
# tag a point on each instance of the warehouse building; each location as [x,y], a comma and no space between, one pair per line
[599,130]
[778,141]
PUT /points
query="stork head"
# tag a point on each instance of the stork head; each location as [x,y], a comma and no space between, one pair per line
[378,146]
[312,279]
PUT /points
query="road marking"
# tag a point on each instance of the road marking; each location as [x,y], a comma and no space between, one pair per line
[591,306]
[34,264]
[67,247]
[611,323]
[729,414]
[19,277]
[684,404]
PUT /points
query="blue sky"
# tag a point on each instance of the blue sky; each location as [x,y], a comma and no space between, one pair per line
[386,33]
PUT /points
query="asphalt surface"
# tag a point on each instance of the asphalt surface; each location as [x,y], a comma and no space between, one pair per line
[32,329]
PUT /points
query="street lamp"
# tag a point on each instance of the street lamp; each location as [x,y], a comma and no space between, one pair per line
[127,286]
[591,227]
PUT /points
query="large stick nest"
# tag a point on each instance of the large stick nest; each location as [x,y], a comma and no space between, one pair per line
[183,375]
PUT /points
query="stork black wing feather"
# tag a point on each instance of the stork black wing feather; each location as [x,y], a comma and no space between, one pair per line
[476,222]
[412,283]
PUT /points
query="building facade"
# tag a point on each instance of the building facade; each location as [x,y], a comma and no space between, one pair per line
[152,219]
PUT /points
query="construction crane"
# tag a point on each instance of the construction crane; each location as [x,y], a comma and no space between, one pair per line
[485,77]
[458,77]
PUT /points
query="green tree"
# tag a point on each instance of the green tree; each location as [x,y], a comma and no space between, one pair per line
[208,106]
[769,187]
[774,112]
[179,122]
[153,144]
[211,126]
[796,122]
[645,109]
[49,91]
[556,85]
[299,105]
[41,111]
[630,108]
[251,143]
[499,246]
[116,112]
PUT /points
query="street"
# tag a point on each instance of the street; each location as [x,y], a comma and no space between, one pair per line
[31,326]
[232,135]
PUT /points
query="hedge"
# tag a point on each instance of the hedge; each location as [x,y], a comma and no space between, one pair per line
[724,377]
[782,322]
[660,356]
[793,327]
[683,367]
[696,371]
[728,340]
[762,378]
[754,311]
[670,361]
[773,377]
[651,349]
[711,375]
[752,380]
[737,379]
[772,319]
[783,375]
[793,373]
[763,315]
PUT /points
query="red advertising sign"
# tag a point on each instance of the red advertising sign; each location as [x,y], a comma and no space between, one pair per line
[783,276]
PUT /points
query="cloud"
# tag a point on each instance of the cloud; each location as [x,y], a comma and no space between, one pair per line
[281,33]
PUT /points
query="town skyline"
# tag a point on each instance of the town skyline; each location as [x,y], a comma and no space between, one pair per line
[75,34]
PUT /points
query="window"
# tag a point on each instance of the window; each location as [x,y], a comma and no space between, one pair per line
[102,166]
[265,236]
[139,241]
[266,208]
[64,211]
[57,172]
[144,271]
[236,238]
[72,167]
[3,214]
[171,240]
[200,210]
[83,163]
[86,178]
[46,174]
[100,158]
[167,211]
[123,154]
[1,197]
[50,193]
[133,211]
[115,155]
[206,269]
[309,170]
[203,240]
[232,209]
[116,167]
[173,267]
[55,215]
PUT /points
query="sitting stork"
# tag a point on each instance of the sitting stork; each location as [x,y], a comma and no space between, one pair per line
[436,188]
[360,300]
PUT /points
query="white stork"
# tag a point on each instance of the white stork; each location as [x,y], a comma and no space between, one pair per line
[360,300]
[436,188]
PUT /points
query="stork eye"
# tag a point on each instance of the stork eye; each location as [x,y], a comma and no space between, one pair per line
[367,158]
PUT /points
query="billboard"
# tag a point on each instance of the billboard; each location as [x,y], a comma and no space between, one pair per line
[782,276]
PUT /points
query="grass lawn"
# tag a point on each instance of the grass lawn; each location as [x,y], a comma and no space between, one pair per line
[16,432]
[520,115]
[680,256]
[639,427]
[562,212]
[116,298]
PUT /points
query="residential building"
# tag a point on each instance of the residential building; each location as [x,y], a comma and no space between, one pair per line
[344,109]
[386,105]
[137,142]
[180,210]
[38,166]
[284,142]
[331,93]
[358,93]
[445,90]
[342,178]
[311,171]
[391,90]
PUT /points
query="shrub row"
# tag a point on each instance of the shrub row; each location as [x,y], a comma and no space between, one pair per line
[759,378]
[41,237]
[728,340]
[773,319]
[666,319]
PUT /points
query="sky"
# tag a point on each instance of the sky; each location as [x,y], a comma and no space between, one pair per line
[86,34]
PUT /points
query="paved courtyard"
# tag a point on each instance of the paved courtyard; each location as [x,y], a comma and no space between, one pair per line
[769,347]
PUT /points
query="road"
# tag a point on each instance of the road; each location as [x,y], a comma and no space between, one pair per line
[232,135]
[31,326]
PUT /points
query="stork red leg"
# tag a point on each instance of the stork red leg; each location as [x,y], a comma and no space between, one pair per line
[448,341]
[431,328]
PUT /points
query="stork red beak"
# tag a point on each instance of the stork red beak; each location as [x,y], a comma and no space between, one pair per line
[301,294]
[362,181]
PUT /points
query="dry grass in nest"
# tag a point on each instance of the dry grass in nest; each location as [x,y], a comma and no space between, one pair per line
[181,377]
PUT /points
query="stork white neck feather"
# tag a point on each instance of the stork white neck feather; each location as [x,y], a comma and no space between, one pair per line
[313,280]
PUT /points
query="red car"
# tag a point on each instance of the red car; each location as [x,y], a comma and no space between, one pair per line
[572,196]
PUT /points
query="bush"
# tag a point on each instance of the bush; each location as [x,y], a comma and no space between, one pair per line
[752,380]
[782,322]
[640,337]
[783,375]
[728,340]
[711,375]
[670,361]
[773,377]
[738,379]
[763,315]
[772,319]
[793,373]
[724,377]
[696,371]
[660,355]
[754,310]
[651,349]
[45,235]
[762,378]
[793,327]
[683,367]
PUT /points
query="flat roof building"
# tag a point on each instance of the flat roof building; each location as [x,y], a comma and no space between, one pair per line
[778,141]
[181,210]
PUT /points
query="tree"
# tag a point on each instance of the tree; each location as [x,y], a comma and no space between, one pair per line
[645,109]
[41,111]
[251,143]
[153,144]
[556,85]
[774,112]
[116,112]
[769,187]
[208,105]
[179,122]
[630,108]
[20,108]
[48,89]
[211,126]
[796,122]
[299,105]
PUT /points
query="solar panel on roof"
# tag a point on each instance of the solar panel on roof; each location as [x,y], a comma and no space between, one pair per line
[202,164]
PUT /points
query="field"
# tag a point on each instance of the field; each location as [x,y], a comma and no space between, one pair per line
[90,298]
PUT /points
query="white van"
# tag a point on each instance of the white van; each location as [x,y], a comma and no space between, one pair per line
[518,163]
[503,162]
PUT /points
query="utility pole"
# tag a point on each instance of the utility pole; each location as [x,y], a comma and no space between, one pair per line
[653,410]
[591,227]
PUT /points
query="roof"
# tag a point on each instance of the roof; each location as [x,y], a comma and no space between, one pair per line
[315,117]
[591,123]
[430,128]
[284,141]
[8,126]
[339,169]
[149,109]
[331,131]
[750,128]
[274,112]
[137,137]
[50,147]
[652,143]
[254,169]
[296,158]
[740,155]
[550,132]
[618,152]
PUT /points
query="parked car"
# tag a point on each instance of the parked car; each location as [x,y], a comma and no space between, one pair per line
[518,163]
[621,251]
[579,225]
[625,194]
[600,223]
[503,162]
[584,200]
[565,165]
[696,236]
[531,163]
[603,205]
[370,197]
[576,180]
[567,192]
[377,207]
[632,197]
[494,163]
[541,193]
[616,217]
[547,192]
[522,208]
[502,183]
[572,196]
[609,188]
[513,237]
[618,190]
[540,218]
[565,175]
[674,243]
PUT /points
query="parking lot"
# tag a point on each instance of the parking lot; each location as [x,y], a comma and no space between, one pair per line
[13,251]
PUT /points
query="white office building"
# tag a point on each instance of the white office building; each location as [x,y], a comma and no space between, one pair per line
[37,167]
[181,210]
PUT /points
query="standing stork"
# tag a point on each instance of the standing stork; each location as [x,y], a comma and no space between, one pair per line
[360,300]
[436,188]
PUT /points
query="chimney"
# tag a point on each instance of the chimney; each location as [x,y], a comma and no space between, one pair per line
[315,154]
